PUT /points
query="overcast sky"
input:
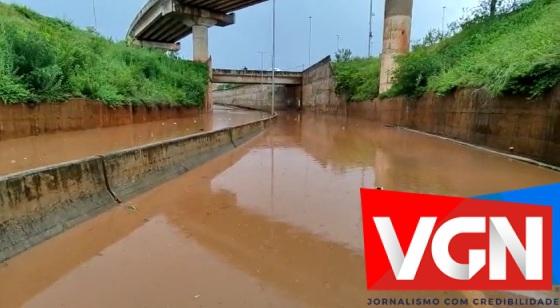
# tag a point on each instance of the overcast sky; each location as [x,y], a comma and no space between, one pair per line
[239,45]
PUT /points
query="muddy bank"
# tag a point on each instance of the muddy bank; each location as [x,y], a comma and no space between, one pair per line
[22,120]
[38,204]
[529,128]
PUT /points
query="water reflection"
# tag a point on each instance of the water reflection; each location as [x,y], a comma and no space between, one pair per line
[275,222]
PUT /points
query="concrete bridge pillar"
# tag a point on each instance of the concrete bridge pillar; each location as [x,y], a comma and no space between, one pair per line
[200,38]
[396,38]
[200,43]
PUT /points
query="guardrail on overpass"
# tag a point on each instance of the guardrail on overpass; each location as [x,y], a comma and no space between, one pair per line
[256,77]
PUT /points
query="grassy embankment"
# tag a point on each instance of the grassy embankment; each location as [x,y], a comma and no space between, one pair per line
[516,53]
[44,59]
[357,79]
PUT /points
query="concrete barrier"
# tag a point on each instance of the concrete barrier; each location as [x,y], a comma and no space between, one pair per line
[38,204]
[240,134]
[137,170]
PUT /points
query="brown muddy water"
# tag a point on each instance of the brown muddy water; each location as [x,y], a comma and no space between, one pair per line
[274,223]
[36,151]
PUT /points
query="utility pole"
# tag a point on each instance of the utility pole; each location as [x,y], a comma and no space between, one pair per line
[310,33]
[273,56]
[262,67]
[443,21]
[94,15]
[337,42]
[370,27]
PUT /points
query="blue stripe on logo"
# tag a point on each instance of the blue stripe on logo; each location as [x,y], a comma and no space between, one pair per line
[541,195]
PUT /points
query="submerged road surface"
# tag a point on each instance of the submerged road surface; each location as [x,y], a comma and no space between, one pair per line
[37,151]
[275,223]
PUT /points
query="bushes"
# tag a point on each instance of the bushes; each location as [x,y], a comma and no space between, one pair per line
[46,59]
[514,53]
[357,78]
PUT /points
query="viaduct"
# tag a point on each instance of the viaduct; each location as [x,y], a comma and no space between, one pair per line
[163,23]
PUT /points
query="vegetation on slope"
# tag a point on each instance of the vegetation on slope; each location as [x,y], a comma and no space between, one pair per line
[512,53]
[357,79]
[513,50]
[46,59]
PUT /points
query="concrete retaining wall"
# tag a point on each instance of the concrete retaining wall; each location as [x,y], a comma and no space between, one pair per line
[22,120]
[38,204]
[530,127]
[319,88]
[259,97]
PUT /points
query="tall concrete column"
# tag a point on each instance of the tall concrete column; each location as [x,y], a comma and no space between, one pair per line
[396,38]
[200,43]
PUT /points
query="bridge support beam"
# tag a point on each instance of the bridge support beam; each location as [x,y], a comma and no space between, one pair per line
[396,38]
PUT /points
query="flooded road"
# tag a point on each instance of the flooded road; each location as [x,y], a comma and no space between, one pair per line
[274,223]
[36,151]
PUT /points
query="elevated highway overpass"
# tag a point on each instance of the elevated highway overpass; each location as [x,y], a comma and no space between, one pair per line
[256,77]
[162,23]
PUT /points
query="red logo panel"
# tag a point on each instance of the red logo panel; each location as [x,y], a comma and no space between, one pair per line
[428,242]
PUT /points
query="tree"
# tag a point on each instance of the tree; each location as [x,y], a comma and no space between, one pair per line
[343,55]
[493,7]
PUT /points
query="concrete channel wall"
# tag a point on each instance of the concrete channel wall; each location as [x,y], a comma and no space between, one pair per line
[529,128]
[259,97]
[22,120]
[319,88]
[38,204]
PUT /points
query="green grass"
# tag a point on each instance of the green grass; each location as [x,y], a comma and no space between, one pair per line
[44,59]
[515,53]
[357,79]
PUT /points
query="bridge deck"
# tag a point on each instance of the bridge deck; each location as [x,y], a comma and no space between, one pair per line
[222,6]
[255,77]
[163,21]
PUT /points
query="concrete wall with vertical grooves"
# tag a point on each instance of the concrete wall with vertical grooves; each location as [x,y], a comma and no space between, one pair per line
[22,120]
[38,204]
[530,127]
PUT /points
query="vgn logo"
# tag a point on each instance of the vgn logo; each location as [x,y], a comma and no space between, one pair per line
[427,242]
